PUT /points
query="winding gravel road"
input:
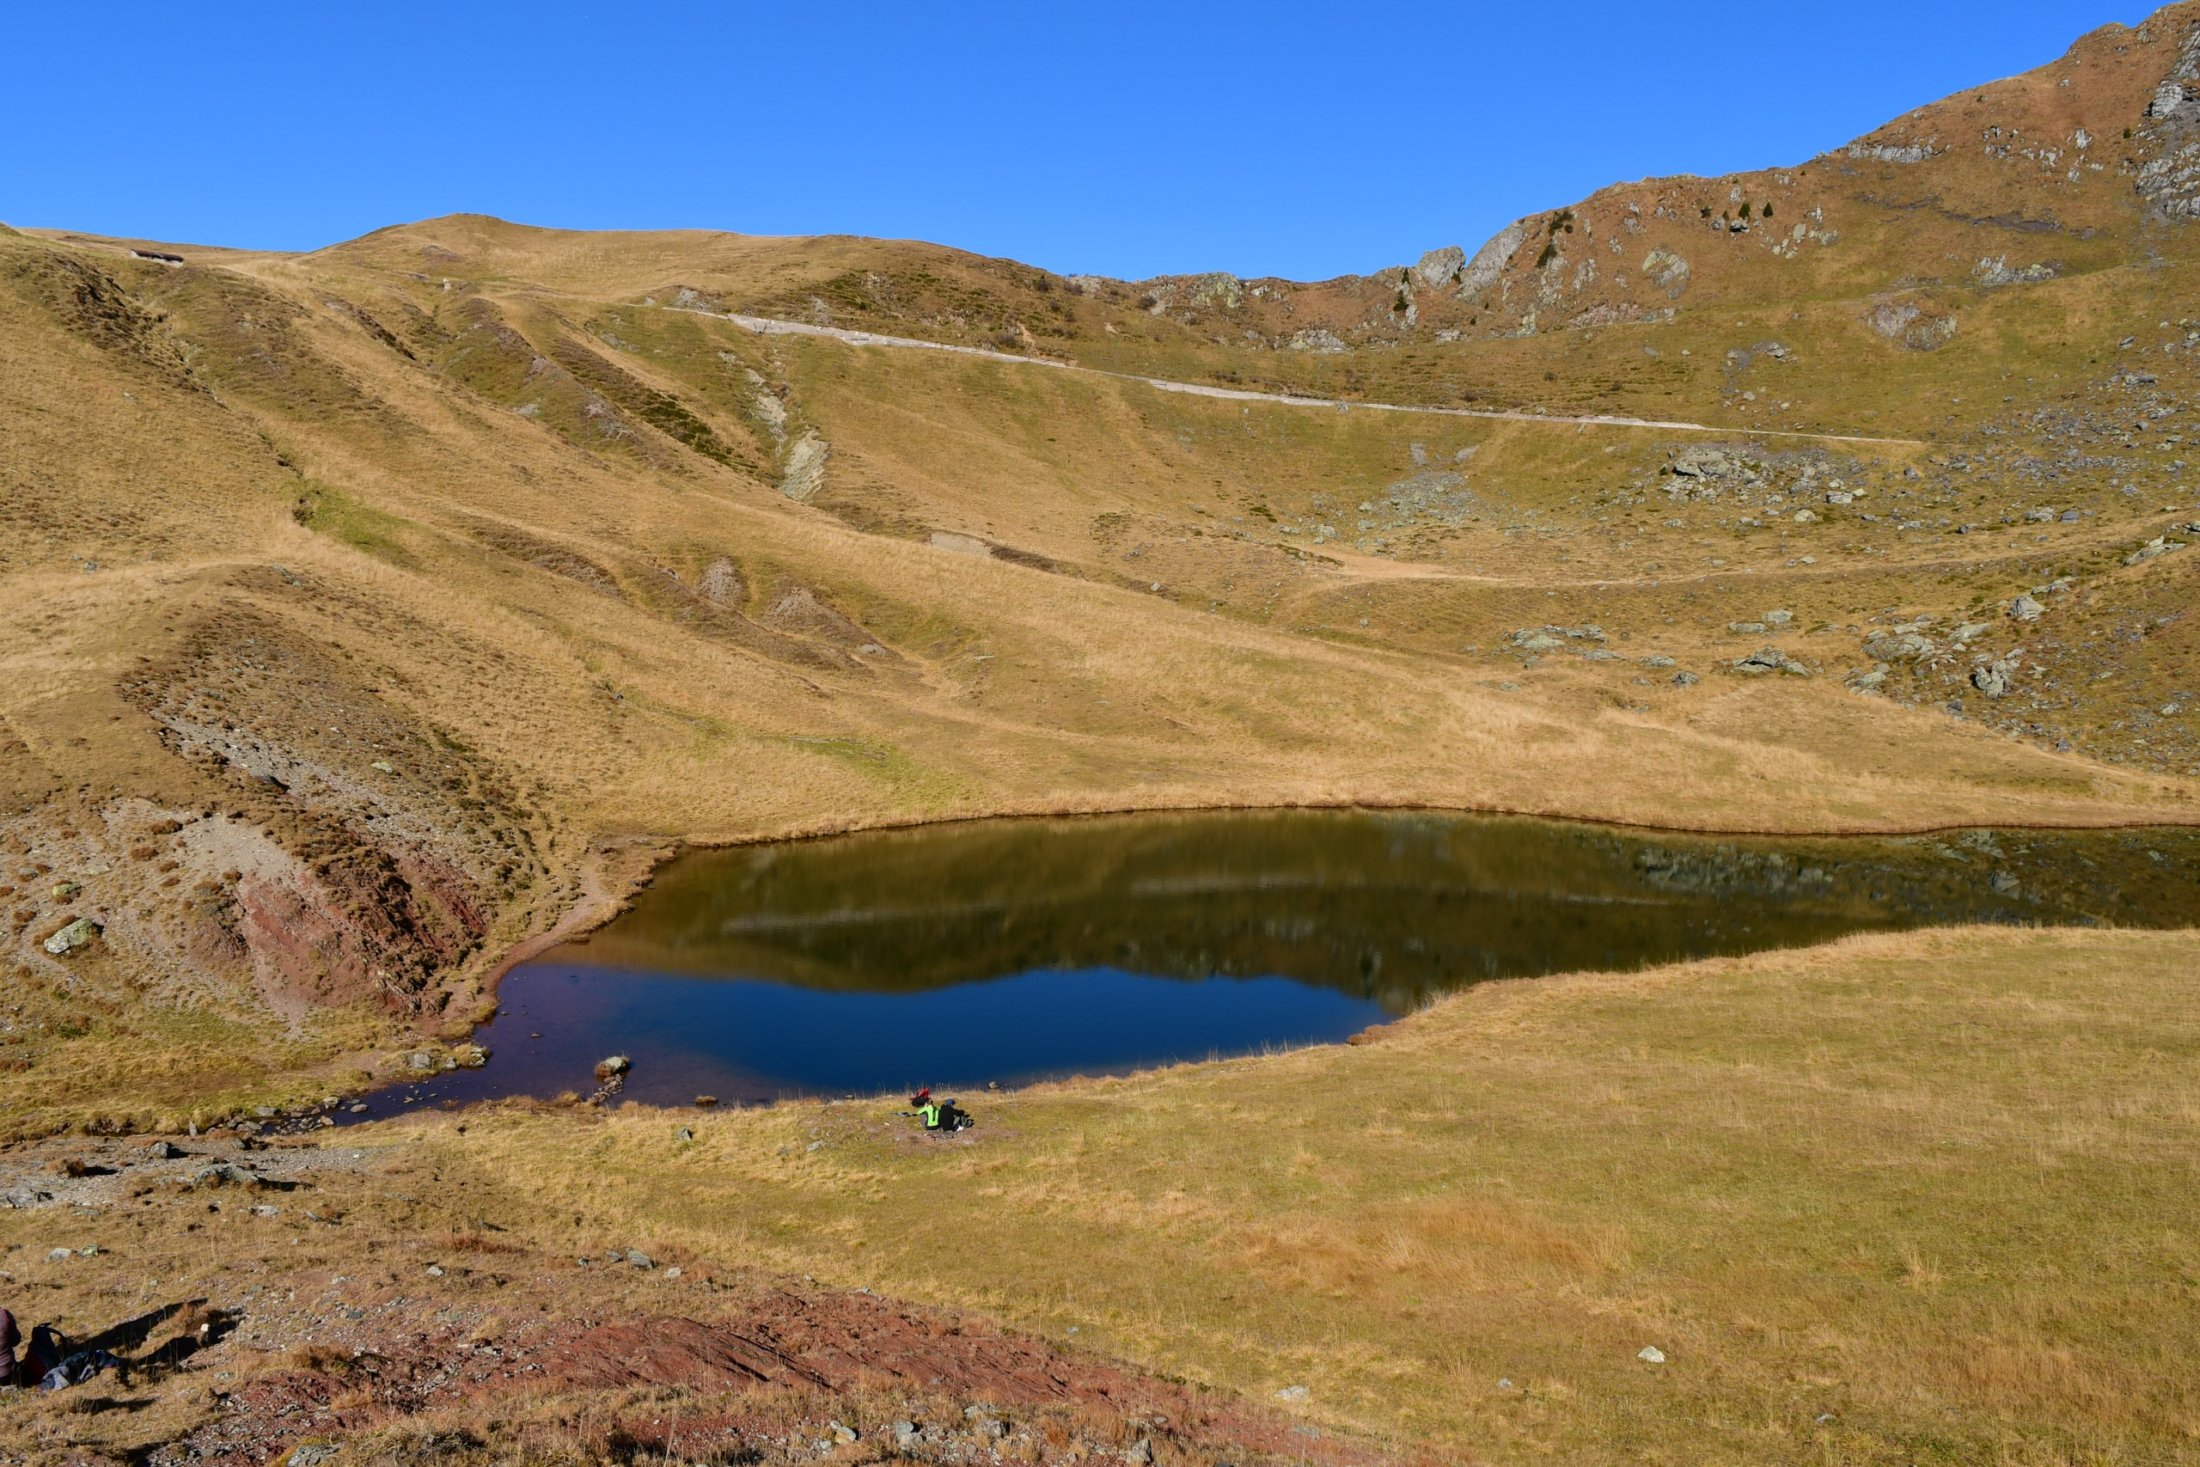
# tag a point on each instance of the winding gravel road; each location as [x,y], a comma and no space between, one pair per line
[768,326]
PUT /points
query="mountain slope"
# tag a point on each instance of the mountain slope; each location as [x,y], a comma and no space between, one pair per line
[362,605]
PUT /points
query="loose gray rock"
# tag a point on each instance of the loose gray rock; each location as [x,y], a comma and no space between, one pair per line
[2024,608]
[639,1259]
[1898,646]
[1293,1393]
[75,936]
[1993,679]
[224,1174]
[1652,1354]
[1685,679]
[2159,545]
[1769,659]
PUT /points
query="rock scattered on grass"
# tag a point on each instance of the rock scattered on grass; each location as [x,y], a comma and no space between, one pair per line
[1769,659]
[72,938]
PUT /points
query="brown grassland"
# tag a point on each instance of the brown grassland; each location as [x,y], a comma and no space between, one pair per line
[368,613]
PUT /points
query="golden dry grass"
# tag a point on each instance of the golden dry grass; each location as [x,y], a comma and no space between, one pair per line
[1920,1198]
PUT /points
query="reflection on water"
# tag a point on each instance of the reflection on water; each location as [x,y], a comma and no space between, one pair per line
[1018,949]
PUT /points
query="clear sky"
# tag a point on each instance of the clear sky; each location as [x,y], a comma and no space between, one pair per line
[1295,139]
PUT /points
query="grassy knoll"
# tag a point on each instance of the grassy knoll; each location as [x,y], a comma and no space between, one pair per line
[1926,1198]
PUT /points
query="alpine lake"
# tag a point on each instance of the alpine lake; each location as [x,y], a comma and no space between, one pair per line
[1011,951]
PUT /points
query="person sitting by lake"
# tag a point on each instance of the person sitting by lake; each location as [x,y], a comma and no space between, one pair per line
[938,1115]
[48,1348]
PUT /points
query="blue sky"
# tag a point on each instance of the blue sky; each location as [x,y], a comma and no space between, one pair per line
[1289,139]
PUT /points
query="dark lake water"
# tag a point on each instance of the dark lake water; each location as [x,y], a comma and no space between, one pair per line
[1017,950]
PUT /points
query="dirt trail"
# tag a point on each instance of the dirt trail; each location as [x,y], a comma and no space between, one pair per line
[769,326]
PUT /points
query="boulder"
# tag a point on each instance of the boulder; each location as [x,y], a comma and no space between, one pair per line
[1906,323]
[224,1174]
[73,938]
[2159,545]
[2024,608]
[1769,659]
[1898,646]
[1993,678]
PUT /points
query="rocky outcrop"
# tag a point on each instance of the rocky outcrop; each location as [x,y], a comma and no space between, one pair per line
[804,471]
[2170,181]
[1910,325]
[1440,266]
[1190,292]
[1896,152]
[1995,270]
[1317,339]
[1994,678]
[1770,659]
[1489,262]
[1666,270]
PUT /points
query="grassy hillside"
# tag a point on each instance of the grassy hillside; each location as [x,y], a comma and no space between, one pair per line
[372,614]
[355,598]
